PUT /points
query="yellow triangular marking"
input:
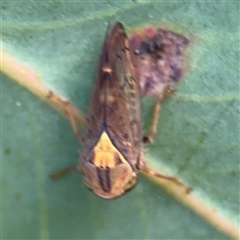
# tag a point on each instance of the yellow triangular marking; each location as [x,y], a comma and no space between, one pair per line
[105,154]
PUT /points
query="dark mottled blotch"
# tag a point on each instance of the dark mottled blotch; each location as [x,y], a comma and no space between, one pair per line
[160,59]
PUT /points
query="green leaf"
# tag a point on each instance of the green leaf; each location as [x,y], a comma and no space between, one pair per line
[198,134]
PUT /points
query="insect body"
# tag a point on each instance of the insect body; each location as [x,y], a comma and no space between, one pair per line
[113,144]
[113,150]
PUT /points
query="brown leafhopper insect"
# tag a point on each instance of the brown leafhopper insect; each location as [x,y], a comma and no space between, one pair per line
[113,147]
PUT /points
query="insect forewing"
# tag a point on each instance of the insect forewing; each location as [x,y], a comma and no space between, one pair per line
[113,144]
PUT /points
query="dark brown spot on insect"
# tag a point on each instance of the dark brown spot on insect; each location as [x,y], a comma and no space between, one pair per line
[126,136]
[133,95]
[132,78]
[105,76]
[117,159]
[104,178]
[91,156]
[131,86]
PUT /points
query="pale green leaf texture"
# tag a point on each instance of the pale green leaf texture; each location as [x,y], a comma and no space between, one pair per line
[198,135]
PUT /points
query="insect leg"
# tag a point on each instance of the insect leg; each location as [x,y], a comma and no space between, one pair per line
[68,110]
[59,174]
[73,122]
[150,172]
[156,113]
